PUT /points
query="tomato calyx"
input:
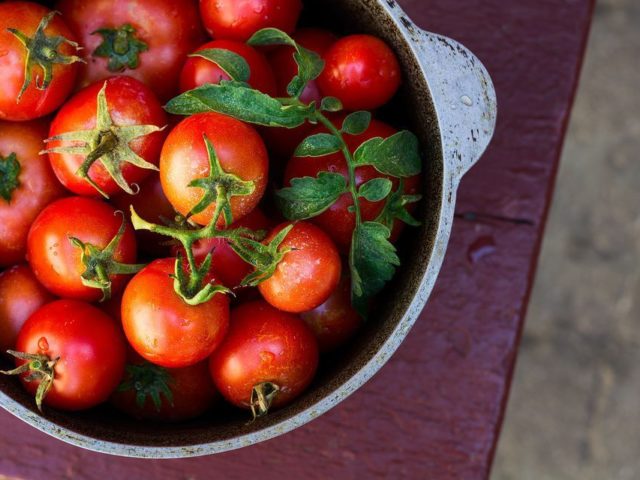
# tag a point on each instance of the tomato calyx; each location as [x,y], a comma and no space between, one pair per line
[9,175]
[107,143]
[148,381]
[100,265]
[262,396]
[38,367]
[42,51]
[121,46]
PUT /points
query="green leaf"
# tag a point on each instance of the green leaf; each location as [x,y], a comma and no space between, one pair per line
[318,145]
[9,173]
[376,189]
[397,156]
[396,208]
[308,197]
[331,104]
[233,64]
[356,123]
[241,102]
[373,261]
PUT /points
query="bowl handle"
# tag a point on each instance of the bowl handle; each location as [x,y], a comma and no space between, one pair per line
[464,98]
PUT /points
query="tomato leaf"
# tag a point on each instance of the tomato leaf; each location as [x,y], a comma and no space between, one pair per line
[233,64]
[331,104]
[318,145]
[239,101]
[373,261]
[356,123]
[376,189]
[397,155]
[9,173]
[396,208]
[308,197]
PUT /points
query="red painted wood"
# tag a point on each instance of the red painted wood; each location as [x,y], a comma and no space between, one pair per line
[433,412]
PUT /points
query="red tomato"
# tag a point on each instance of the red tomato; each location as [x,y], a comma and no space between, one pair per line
[362,71]
[129,103]
[162,327]
[23,195]
[239,148]
[163,33]
[25,17]
[335,321]
[308,274]
[338,221]
[57,263]
[184,393]
[240,19]
[90,351]
[197,71]
[264,345]
[20,295]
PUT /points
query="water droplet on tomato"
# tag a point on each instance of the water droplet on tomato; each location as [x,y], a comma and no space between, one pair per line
[267,357]
[43,344]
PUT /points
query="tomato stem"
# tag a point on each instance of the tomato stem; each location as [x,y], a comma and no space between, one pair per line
[37,367]
[262,396]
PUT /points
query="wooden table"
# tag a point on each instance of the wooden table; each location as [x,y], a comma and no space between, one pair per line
[435,410]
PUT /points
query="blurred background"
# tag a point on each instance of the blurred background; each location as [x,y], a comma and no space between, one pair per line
[574,411]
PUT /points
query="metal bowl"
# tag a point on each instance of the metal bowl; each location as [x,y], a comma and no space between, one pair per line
[449,101]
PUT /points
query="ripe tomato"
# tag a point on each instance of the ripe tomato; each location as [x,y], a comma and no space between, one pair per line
[335,321]
[197,70]
[264,346]
[57,263]
[240,19]
[181,393]
[308,274]
[239,148]
[147,39]
[162,327]
[129,103]
[362,71]
[338,221]
[26,17]
[20,295]
[86,346]
[27,185]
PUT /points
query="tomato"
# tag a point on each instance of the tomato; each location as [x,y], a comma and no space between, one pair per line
[162,327]
[240,19]
[197,70]
[338,221]
[239,148]
[362,71]
[152,205]
[129,103]
[145,39]
[86,346]
[27,185]
[182,393]
[34,102]
[308,274]
[57,263]
[20,295]
[264,346]
[335,321]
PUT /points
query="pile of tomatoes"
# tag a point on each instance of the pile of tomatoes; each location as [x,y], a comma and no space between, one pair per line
[89,307]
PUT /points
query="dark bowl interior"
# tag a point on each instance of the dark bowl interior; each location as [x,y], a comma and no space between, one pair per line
[412,109]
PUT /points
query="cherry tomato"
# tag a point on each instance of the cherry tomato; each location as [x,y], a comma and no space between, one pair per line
[57,263]
[239,148]
[147,39]
[27,185]
[182,393]
[129,103]
[89,348]
[338,221]
[362,71]
[25,18]
[197,70]
[162,327]
[240,19]
[308,274]
[20,295]
[335,321]
[264,345]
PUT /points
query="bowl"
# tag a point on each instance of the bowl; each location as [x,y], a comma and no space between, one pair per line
[448,100]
